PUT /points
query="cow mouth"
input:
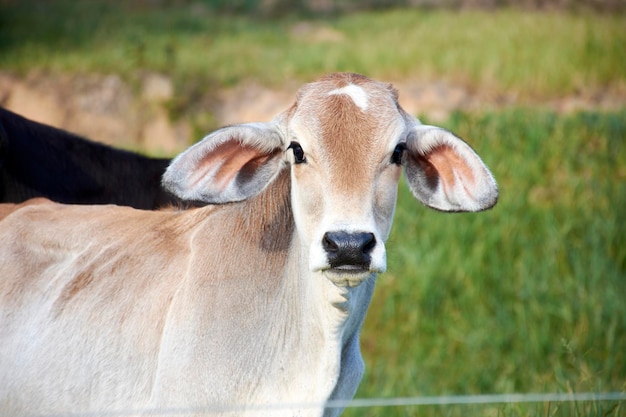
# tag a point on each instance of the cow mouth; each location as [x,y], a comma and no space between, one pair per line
[348,275]
[350,269]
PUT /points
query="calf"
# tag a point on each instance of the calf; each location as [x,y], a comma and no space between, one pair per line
[40,161]
[254,300]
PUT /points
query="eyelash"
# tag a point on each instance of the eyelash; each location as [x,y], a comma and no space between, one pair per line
[396,156]
[298,153]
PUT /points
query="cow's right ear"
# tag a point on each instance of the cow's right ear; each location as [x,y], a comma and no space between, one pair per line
[444,173]
[231,164]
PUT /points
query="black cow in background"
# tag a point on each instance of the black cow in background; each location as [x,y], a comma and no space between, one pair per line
[37,160]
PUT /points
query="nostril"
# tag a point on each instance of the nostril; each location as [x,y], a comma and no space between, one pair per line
[329,243]
[369,242]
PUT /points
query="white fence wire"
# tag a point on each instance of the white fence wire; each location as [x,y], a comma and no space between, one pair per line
[446,400]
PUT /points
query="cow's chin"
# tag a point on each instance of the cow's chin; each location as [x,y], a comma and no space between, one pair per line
[348,277]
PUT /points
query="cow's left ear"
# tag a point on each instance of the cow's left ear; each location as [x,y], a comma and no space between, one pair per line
[231,164]
[445,173]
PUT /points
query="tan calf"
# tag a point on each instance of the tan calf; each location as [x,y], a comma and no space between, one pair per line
[253,301]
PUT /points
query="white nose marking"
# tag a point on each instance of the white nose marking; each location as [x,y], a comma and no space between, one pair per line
[356,93]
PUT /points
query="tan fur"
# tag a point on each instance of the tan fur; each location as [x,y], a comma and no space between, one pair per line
[346,132]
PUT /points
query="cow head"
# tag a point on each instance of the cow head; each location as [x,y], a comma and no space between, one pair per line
[345,140]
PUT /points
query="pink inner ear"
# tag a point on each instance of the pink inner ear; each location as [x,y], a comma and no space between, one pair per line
[443,161]
[229,158]
[234,157]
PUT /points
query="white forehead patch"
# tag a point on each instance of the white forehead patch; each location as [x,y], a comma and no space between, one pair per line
[356,93]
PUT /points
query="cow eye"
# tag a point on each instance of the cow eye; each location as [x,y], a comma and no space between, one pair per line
[396,156]
[298,153]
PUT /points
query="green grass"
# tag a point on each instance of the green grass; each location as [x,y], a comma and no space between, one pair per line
[527,297]
[527,53]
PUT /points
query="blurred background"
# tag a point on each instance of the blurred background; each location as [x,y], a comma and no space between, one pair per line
[528,297]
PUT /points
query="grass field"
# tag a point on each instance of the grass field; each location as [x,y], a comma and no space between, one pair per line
[527,297]
[530,53]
